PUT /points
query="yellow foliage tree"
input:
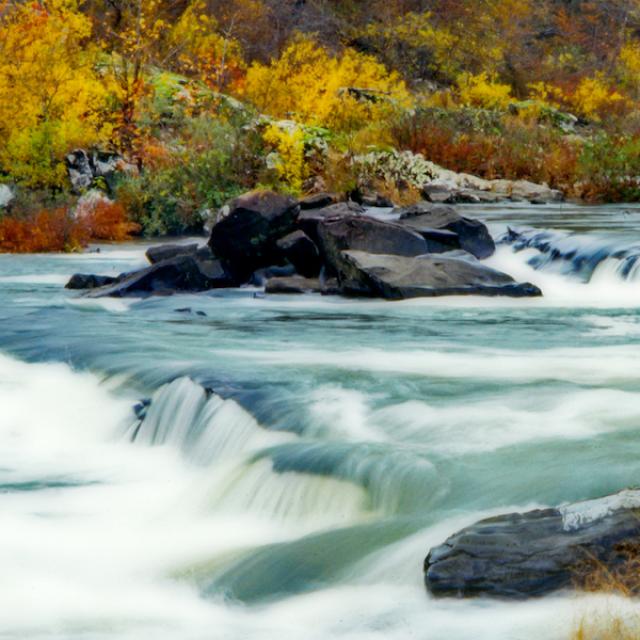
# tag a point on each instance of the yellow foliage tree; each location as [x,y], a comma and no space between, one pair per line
[483,90]
[288,159]
[594,98]
[308,83]
[51,97]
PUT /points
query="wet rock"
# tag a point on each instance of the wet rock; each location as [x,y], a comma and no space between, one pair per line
[162,252]
[89,281]
[309,220]
[260,277]
[301,252]
[318,201]
[522,555]
[247,229]
[178,274]
[397,277]
[361,233]
[427,218]
[293,285]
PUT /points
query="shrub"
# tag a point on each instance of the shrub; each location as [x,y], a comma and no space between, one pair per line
[343,92]
[53,230]
[484,91]
[105,220]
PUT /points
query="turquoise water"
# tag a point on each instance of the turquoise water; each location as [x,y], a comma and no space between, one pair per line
[294,458]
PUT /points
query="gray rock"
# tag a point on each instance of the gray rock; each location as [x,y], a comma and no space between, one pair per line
[301,252]
[523,555]
[247,229]
[161,252]
[397,277]
[309,220]
[318,201]
[362,233]
[472,235]
[293,285]
[182,273]
[260,277]
[6,196]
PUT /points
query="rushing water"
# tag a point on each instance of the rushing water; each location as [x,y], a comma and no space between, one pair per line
[233,466]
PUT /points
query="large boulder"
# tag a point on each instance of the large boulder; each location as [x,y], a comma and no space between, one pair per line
[521,555]
[310,219]
[184,273]
[301,252]
[397,277]
[245,233]
[427,218]
[318,201]
[362,233]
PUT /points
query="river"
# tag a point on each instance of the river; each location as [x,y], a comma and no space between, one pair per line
[230,466]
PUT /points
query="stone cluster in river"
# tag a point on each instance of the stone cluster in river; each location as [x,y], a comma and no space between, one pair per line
[320,245]
[524,555]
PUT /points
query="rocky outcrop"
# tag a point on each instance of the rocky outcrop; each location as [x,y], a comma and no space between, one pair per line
[264,239]
[183,273]
[246,231]
[86,169]
[522,555]
[361,233]
[396,277]
[433,221]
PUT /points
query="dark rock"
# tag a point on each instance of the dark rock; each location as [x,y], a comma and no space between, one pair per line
[397,277]
[472,235]
[308,221]
[247,229]
[376,200]
[300,251]
[179,274]
[532,554]
[362,233]
[88,281]
[293,285]
[318,201]
[260,277]
[162,252]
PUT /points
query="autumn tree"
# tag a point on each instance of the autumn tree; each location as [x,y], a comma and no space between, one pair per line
[52,97]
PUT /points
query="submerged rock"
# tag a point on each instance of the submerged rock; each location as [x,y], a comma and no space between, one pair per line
[397,277]
[247,229]
[522,555]
[89,281]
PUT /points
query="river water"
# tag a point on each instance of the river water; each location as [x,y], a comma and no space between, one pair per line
[229,466]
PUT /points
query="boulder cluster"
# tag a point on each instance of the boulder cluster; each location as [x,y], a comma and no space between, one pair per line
[319,245]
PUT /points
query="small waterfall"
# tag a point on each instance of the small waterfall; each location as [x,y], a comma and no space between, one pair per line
[583,257]
[204,426]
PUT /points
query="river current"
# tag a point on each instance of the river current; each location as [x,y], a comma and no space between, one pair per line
[230,466]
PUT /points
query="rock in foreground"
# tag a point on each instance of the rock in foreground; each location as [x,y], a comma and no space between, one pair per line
[397,277]
[523,555]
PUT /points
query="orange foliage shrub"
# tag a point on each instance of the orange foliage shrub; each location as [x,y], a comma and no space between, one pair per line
[58,230]
[106,221]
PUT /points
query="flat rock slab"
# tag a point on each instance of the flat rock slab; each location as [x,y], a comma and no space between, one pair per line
[524,555]
[398,277]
